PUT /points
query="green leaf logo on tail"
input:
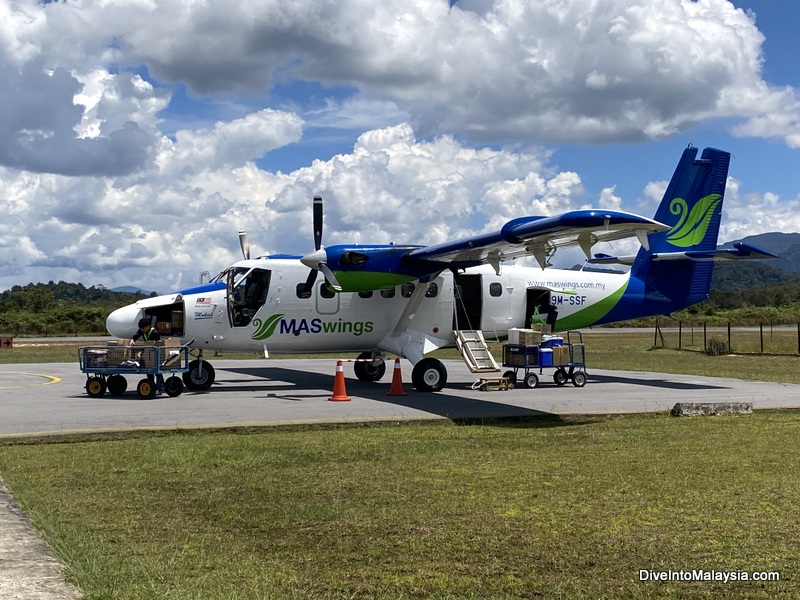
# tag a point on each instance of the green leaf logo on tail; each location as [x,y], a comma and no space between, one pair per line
[264,329]
[692,227]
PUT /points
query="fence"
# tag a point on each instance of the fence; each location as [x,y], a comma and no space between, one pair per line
[766,338]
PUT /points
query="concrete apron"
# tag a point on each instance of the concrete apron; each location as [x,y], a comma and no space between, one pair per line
[28,568]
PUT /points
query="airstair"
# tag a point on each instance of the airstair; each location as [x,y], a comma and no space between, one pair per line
[474,350]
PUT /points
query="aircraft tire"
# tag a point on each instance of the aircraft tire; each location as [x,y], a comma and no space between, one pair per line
[95,387]
[429,375]
[369,371]
[197,378]
[117,385]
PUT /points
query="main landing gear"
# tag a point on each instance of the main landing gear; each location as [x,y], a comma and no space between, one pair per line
[429,374]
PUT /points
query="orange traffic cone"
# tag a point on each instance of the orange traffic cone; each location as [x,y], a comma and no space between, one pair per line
[339,391]
[397,381]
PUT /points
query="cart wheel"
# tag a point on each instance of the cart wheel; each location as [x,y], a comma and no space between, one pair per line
[117,385]
[146,389]
[560,377]
[173,386]
[579,379]
[95,386]
[512,378]
[531,380]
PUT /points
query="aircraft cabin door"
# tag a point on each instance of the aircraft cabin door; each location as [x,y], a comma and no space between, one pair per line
[247,293]
[468,298]
[537,304]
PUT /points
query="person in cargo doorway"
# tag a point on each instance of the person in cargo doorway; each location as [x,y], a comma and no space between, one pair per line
[148,334]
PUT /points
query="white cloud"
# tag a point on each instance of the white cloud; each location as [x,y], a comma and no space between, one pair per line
[572,71]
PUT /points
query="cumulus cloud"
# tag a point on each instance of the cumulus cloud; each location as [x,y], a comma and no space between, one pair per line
[453,104]
[572,71]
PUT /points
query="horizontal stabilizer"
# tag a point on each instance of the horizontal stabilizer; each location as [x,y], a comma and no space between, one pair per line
[739,251]
[606,259]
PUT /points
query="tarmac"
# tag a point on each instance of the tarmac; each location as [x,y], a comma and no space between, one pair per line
[50,399]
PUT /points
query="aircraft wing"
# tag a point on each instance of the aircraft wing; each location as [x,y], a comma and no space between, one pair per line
[540,237]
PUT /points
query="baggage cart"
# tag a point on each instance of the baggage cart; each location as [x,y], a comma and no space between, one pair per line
[568,360]
[107,368]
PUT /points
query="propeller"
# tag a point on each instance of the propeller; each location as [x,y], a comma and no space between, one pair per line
[316,261]
[244,244]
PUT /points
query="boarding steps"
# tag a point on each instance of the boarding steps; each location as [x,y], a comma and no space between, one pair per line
[474,351]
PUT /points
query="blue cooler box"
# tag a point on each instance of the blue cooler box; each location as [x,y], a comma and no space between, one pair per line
[545,357]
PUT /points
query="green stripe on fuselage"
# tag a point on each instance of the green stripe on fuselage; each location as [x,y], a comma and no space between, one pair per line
[364,281]
[591,314]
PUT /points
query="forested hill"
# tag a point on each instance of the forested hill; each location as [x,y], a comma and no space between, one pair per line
[59,308]
[42,295]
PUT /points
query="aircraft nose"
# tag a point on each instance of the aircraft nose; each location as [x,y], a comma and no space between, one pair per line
[123,322]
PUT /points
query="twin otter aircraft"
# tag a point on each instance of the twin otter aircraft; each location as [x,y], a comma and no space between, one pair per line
[408,300]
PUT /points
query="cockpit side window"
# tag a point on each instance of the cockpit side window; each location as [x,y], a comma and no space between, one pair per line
[247,293]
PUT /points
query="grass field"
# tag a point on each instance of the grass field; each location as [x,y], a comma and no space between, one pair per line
[553,508]
[569,507]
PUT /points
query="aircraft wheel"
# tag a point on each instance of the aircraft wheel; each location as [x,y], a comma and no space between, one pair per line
[146,389]
[95,387]
[531,380]
[174,386]
[429,375]
[117,385]
[369,371]
[512,377]
[197,377]
[560,377]
[579,379]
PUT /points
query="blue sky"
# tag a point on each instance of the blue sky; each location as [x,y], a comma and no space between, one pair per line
[136,140]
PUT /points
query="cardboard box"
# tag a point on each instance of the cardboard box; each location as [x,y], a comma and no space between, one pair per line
[164,327]
[561,356]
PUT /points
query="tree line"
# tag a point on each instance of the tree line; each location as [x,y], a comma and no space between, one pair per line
[52,309]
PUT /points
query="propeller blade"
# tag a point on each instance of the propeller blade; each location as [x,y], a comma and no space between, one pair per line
[309,286]
[330,277]
[244,244]
[317,215]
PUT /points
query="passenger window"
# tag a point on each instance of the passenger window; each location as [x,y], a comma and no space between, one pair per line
[388,293]
[325,291]
[496,289]
[301,291]
[433,291]
[407,289]
[367,294]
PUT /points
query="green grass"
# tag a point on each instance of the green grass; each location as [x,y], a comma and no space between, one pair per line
[550,508]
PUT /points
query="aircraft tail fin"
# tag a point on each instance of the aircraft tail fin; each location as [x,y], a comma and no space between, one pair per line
[692,205]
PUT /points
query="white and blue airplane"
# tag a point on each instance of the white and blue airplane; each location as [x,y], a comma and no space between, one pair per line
[408,300]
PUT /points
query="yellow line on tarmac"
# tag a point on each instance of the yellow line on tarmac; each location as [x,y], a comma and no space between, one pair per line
[50,379]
